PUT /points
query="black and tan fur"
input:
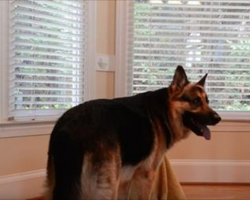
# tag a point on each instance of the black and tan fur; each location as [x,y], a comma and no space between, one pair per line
[96,148]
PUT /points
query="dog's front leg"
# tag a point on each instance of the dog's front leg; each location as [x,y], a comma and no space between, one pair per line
[142,184]
[124,188]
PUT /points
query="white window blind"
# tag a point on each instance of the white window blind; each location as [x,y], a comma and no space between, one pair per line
[48,42]
[202,35]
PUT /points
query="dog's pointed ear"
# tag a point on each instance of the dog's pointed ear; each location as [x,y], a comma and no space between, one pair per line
[202,81]
[180,79]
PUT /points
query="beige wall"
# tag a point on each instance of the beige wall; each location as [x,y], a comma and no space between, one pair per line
[222,146]
[29,153]
[23,154]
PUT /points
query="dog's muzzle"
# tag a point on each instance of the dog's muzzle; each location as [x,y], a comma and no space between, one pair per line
[198,122]
[215,118]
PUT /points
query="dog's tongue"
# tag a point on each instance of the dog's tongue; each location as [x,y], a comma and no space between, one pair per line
[205,131]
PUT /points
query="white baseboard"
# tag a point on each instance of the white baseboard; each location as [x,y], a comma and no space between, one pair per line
[212,171]
[31,184]
[22,185]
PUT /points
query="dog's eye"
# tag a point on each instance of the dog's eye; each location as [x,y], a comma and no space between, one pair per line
[197,101]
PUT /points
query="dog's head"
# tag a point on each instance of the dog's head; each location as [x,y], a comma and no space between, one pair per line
[190,104]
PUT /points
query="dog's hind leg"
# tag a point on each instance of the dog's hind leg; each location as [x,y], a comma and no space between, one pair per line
[100,180]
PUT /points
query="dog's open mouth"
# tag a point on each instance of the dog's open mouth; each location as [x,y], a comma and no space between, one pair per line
[197,127]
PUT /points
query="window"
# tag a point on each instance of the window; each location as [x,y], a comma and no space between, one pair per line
[47,51]
[204,36]
[48,59]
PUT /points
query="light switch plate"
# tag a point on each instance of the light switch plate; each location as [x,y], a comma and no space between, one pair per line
[104,62]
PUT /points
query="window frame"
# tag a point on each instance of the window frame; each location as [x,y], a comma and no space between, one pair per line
[45,124]
[232,121]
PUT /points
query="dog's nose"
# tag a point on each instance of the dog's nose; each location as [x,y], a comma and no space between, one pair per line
[216,118]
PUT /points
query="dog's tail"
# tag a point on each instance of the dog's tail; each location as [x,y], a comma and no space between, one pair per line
[50,180]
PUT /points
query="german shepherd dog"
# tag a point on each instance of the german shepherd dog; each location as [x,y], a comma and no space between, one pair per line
[98,147]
